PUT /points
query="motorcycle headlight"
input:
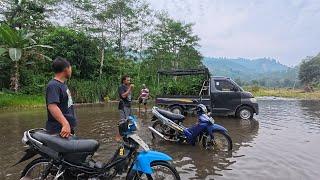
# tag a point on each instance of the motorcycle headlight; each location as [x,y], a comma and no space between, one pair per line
[253,100]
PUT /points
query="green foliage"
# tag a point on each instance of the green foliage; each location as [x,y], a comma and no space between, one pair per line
[20,47]
[114,38]
[26,14]
[78,48]
[309,72]
[173,45]
[88,91]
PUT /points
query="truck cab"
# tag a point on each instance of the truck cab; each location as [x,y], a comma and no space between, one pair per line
[228,98]
[221,95]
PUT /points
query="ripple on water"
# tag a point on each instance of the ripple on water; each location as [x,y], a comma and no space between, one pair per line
[282,143]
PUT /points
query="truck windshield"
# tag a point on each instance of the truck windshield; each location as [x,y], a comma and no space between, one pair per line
[235,84]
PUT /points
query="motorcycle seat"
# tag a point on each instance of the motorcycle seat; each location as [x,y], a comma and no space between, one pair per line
[72,144]
[170,115]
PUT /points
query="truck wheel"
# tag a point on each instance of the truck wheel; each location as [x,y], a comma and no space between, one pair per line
[245,112]
[176,109]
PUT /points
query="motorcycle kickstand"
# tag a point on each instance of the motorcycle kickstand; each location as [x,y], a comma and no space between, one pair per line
[59,173]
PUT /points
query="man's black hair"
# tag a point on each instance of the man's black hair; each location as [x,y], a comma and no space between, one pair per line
[59,64]
[124,77]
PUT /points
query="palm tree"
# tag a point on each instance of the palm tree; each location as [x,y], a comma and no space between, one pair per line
[18,45]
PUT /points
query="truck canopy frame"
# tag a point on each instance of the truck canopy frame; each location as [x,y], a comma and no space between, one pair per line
[185,72]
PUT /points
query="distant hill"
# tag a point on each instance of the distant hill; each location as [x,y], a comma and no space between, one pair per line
[262,71]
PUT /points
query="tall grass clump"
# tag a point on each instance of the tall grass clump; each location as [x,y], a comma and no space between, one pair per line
[90,91]
[20,100]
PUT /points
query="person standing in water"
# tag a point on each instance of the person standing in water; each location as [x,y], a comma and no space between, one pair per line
[125,96]
[61,117]
[144,96]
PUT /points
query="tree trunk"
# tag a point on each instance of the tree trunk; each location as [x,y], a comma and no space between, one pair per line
[14,80]
[120,36]
[101,61]
[102,52]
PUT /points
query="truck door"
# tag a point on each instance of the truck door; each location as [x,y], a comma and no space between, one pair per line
[225,96]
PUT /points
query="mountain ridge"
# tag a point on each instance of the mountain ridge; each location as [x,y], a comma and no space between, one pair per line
[268,71]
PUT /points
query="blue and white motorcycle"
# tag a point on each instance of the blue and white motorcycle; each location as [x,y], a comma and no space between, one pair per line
[169,126]
[72,158]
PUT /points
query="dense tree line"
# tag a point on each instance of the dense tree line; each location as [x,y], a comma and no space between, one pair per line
[309,73]
[103,39]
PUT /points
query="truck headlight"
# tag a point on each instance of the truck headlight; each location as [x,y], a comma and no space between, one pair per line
[253,100]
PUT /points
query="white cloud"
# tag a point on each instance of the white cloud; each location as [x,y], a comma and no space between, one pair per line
[287,30]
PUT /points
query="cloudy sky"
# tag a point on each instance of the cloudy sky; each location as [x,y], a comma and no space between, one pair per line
[287,30]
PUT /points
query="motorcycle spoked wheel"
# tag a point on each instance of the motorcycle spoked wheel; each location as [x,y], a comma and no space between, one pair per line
[161,170]
[36,168]
[218,141]
[164,129]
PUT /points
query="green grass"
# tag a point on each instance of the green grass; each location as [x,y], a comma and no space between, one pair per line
[20,100]
[283,92]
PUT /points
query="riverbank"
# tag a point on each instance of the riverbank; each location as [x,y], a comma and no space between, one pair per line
[8,100]
[285,93]
[37,101]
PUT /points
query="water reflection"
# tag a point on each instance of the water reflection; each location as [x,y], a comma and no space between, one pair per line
[283,143]
[310,110]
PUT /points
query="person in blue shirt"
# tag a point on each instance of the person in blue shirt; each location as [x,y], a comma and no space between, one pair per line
[61,117]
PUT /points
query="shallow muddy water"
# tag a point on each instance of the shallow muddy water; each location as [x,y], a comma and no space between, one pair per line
[282,143]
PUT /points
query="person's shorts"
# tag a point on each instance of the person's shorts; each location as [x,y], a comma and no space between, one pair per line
[125,112]
[143,100]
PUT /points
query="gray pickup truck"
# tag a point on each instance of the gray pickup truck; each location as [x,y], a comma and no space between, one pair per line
[221,95]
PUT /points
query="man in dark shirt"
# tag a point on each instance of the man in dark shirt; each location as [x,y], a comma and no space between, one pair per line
[125,95]
[61,117]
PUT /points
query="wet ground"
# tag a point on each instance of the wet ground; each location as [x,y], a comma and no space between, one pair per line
[282,143]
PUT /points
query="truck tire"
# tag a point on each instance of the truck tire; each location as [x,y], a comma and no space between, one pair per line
[176,109]
[245,112]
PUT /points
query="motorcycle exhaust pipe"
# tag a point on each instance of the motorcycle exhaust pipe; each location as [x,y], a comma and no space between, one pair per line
[160,135]
[156,132]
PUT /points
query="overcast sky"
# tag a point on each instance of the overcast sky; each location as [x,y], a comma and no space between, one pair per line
[287,30]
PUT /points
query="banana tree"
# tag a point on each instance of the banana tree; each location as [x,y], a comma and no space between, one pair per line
[19,46]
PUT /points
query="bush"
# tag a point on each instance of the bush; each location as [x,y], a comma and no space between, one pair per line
[255,89]
[86,91]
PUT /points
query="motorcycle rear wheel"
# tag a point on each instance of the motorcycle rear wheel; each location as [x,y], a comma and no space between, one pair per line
[163,129]
[36,168]
[161,170]
[221,141]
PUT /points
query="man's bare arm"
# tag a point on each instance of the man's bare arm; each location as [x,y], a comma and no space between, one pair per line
[124,95]
[57,114]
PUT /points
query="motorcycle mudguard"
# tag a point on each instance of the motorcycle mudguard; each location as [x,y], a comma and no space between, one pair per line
[145,158]
[216,127]
[29,153]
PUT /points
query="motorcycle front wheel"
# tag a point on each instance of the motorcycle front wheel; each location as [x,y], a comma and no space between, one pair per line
[218,140]
[36,169]
[161,170]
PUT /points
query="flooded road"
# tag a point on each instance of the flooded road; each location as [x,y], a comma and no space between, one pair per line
[282,143]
